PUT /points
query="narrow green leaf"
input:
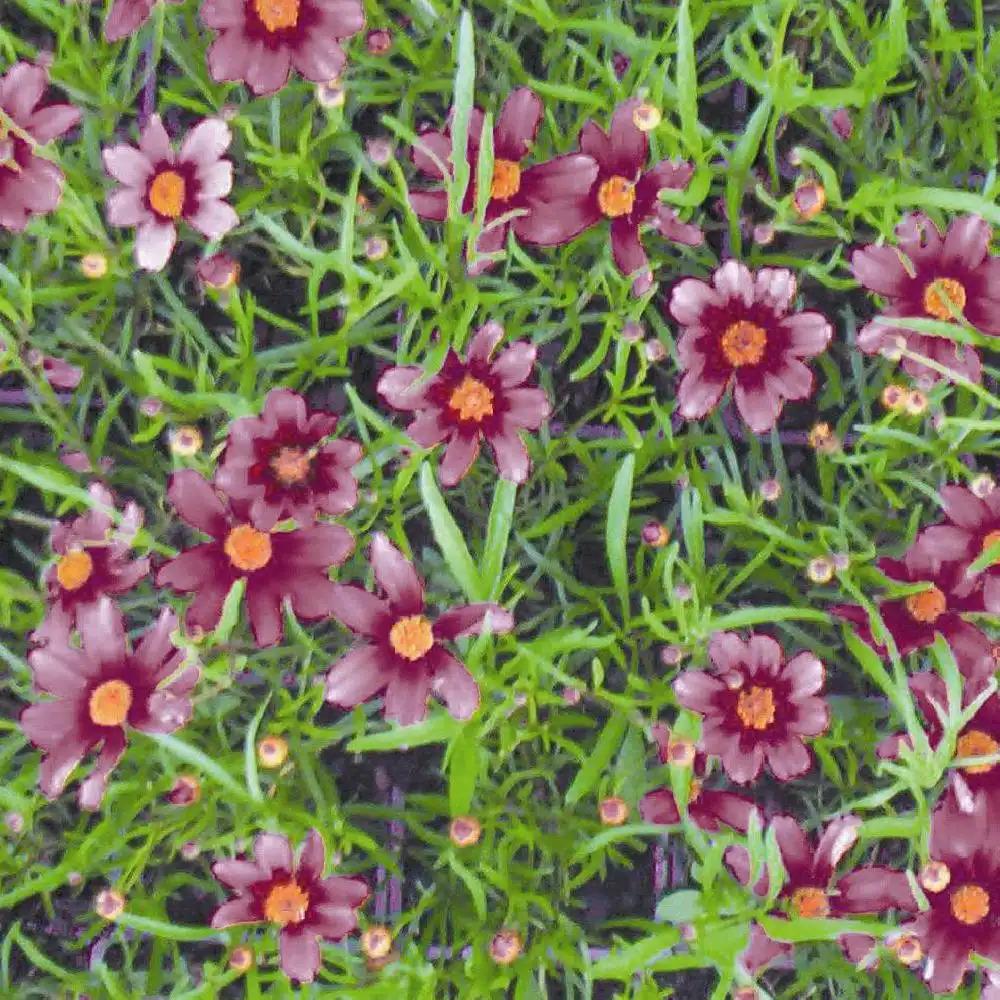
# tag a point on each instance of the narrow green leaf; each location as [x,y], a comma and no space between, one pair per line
[165,929]
[193,756]
[250,752]
[498,536]
[476,889]
[463,769]
[437,729]
[606,747]
[50,480]
[616,530]
[465,77]
[763,614]
[624,963]
[687,80]
[449,537]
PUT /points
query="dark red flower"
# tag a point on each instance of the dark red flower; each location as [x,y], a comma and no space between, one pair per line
[403,653]
[547,191]
[928,276]
[275,565]
[29,183]
[128,16]
[295,898]
[93,560]
[285,463]
[756,706]
[468,401]
[261,41]
[737,331]
[101,690]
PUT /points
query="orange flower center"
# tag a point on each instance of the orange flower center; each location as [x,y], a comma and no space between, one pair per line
[286,904]
[970,904]
[291,465]
[276,15]
[991,539]
[74,569]
[694,790]
[743,343]
[472,400]
[810,902]
[248,549]
[756,707]
[616,197]
[943,298]
[166,194]
[927,606]
[506,179]
[109,703]
[411,637]
[976,743]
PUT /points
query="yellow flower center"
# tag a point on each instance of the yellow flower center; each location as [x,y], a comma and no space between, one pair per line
[248,549]
[991,539]
[743,343]
[927,606]
[73,569]
[756,707]
[166,194]
[506,179]
[471,400]
[811,903]
[411,637]
[976,743]
[291,465]
[286,904]
[616,197]
[277,15]
[943,298]
[109,703]
[970,904]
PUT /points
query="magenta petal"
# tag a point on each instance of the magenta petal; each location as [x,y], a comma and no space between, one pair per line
[873,889]
[406,697]
[263,601]
[630,257]
[205,610]
[510,453]
[154,143]
[458,458]
[59,763]
[513,365]
[126,17]
[517,125]
[273,853]
[359,610]
[429,429]
[213,219]
[46,723]
[759,406]
[472,619]
[698,393]
[698,690]
[102,631]
[319,58]
[967,242]
[453,684]
[331,921]
[659,806]
[396,576]
[840,835]
[526,408]
[241,910]
[237,874]
[880,269]
[744,768]
[790,759]
[775,288]
[357,677]
[629,144]
[194,500]
[398,387]
[963,507]
[313,857]
[300,957]
[188,571]
[91,790]
[50,122]
[431,153]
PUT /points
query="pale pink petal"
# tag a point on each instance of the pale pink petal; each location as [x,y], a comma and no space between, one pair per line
[126,206]
[241,910]
[273,853]
[698,394]
[300,957]
[154,143]
[126,164]
[216,180]
[398,388]
[214,219]
[513,365]
[205,143]
[733,281]
[154,243]
[775,287]
[50,122]
[510,454]
[91,790]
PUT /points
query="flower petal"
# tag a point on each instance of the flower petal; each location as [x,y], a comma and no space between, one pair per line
[213,219]
[398,388]
[241,910]
[91,790]
[313,857]
[52,121]
[967,242]
[473,619]
[237,874]
[517,125]
[880,269]
[872,889]
[102,631]
[698,394]
[758,405]
[629,256]
[357,677]
[193,498]
[698,690]
[154,143]
[453,683]
[789,759]
[360,611]
[513,365]
[509,453]
[458,458]
[154,243]
[406,697]
[840,835]
[126,164]
[299,949]
[273,853]
[806,672]
[775,287]
[263,601]
[126,207]
[396,576]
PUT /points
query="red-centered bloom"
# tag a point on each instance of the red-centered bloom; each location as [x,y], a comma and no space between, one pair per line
[284,463]
[161,187]
[29,184]
[128,16]
[102,689]
[294,897]
[275,565]
[547,191]
[932,277]
[738,331]
[92,560]
[468,401]
[261,41]
[756,706]
[403,652]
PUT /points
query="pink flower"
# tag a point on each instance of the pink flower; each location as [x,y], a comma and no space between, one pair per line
[128,16]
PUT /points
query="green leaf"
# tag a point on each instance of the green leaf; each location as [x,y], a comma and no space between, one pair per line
[465,77]
[596,764]
[476,889]
[624,963]
[50,480]
[687,80]
[616,530]
[498,536]
[449,538]
[463,769]
[765,613]
[437,729]
[193,756]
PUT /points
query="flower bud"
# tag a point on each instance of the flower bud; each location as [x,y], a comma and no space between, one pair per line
[109,904]
[894,396]
[770,490]
[809,200]
[983,485]
[185,792]
[219,271]
[612,811]
[241,959]
[655,534]
[376,942]
[376,248]
[820,570]
[915,402]
[378,41]
[330,95]
[935,876]
[94,266]
[272,751]
[505,947]
[646,117]
[379,150]
[464,831]
[185,441]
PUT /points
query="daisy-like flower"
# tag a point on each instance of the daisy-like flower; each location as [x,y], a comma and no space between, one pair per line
[102,689]
[128,16]
[402,651]
[471,400]
[29,184]
[756,706]
[738,332]
[161,186]
[546,191]
[930,276]
[92,559]
[275,565]
[293,897]
[261,41]
[284,463]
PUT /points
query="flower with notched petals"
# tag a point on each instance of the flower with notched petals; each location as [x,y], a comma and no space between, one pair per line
[403,652]
[161,186]
[93,560]
[468,401]
[294,897]
[275,564]
[545,191]
[101,690]
[756,706]
[128,16]
[737,330]
[29,184]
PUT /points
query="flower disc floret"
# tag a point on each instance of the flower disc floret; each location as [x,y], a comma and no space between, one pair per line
[109,703]
[74,569]
[286,903]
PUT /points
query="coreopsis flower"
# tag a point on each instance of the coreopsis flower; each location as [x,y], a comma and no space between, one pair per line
[102,689]
[261,41]
[546,191]
[285,463]
[927,275]
[472,400]
[275,564]
[161,187]
[92,559]
[738,331]
[756,706]
[29,183]
[402,651]
[294,897]
[128,16]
